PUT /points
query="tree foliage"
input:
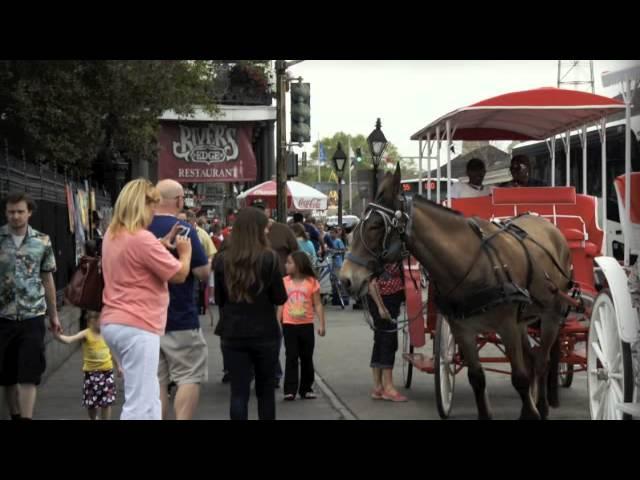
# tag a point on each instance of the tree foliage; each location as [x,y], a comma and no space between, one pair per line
[330,145]
[68,112]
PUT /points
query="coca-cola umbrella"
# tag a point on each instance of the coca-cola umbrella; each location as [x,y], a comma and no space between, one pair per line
[299,196]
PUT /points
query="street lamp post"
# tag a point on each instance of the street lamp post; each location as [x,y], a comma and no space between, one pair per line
[377,144]
[339,161]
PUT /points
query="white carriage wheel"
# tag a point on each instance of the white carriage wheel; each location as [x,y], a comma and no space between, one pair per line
[407,366]
[609,368]
[444,352]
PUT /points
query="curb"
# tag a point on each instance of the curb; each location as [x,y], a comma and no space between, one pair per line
[336,403]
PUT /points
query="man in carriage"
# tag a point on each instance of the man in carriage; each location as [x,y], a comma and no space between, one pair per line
[520,171]
[476,171]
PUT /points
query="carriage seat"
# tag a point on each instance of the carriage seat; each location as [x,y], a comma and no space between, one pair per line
[474,207]
[573,214]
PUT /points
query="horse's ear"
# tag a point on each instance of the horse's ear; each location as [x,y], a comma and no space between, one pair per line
[397,177]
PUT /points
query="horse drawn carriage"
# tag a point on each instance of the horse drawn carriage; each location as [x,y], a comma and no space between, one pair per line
[521,270]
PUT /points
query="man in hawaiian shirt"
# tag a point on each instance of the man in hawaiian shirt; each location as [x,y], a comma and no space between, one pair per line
[27,294]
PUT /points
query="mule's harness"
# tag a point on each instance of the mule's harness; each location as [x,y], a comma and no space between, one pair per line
[506,290]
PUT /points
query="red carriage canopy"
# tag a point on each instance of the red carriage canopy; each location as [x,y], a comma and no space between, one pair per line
[528,115]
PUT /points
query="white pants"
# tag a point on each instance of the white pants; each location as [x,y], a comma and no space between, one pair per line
[138,352]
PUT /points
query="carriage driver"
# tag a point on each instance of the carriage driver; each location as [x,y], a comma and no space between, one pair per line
[520,168]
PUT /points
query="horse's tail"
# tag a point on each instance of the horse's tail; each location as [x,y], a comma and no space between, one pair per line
[553,390]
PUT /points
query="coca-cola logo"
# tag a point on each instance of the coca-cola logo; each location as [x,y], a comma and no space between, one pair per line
[310,203]
[206,144]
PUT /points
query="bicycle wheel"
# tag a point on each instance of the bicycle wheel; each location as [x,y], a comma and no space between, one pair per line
[336,288]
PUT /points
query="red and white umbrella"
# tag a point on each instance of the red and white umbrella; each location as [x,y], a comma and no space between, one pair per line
[299,196]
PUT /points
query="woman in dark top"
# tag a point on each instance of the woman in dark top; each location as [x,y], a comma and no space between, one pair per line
[248,286]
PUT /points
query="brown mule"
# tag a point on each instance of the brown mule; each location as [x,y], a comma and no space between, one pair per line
[530,261]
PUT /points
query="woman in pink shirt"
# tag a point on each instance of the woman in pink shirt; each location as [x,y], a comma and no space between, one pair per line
[136,268]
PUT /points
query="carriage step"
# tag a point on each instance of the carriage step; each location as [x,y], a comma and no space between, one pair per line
[632,409]
[419,361]
[574,326]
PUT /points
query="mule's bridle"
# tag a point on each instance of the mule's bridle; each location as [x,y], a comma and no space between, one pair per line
[395,221]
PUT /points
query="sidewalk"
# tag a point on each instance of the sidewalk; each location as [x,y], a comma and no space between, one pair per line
[59,398]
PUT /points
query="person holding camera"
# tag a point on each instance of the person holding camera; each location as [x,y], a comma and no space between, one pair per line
[183,348]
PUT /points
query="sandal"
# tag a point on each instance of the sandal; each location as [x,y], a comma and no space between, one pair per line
[289,397]
[394,397]
[376,394]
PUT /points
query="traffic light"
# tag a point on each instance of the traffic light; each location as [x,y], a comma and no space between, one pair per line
[292,165]
[300,113]
[358,155]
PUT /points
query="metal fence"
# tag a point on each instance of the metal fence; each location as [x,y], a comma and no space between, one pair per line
[51,215]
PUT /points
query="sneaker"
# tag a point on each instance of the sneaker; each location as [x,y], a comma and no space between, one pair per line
[308,395]
[289,397]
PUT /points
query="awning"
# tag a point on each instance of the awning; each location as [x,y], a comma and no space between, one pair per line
[299,196]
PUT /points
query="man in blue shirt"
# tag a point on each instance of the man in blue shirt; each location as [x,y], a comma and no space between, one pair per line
[338,244]
[338,260]
[183,349]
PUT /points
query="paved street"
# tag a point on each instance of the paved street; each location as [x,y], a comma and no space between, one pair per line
[60,397]
[342,363]
[342,359]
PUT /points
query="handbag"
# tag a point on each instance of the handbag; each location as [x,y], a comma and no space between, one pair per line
[86,285]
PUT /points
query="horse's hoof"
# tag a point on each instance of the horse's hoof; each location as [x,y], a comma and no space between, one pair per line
[529,416]
[543,410]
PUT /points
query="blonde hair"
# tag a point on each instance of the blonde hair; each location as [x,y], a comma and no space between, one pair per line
[132,211]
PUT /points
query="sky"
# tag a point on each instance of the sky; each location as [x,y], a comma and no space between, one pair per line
[408,94]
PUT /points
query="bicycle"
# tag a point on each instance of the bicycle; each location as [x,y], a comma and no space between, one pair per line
[328,277]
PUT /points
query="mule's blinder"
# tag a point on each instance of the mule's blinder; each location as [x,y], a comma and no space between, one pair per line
[393,243]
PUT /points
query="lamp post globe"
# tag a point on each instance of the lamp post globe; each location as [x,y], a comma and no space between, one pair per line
[377,145]
[339,161]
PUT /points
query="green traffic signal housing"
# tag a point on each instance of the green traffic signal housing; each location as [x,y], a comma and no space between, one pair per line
[358,155]
[300,113]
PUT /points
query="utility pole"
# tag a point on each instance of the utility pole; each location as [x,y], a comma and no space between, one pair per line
[281,142]
[281,138]
[576,75]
